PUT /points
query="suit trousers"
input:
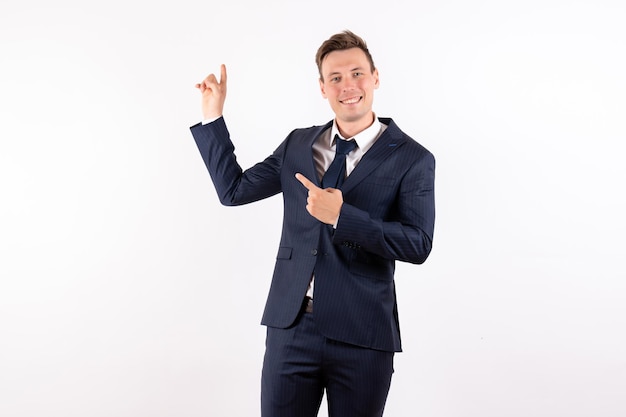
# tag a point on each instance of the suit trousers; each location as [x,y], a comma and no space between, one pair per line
[300,363]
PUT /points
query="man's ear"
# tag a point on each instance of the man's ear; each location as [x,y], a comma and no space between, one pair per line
[376,79]
[322,89]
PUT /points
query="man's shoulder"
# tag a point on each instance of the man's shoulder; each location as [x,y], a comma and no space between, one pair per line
[312,130]
[395,132]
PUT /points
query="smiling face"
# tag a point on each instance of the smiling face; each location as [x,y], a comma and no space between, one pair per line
[348,83]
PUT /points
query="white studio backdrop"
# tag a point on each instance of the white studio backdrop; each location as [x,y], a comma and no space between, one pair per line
[126,290]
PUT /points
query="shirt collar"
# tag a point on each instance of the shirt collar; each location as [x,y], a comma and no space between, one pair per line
[364,139]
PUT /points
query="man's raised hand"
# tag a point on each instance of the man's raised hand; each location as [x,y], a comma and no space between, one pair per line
[213,94]
[323,204]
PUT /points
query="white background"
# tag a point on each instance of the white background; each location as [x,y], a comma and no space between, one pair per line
[126,290]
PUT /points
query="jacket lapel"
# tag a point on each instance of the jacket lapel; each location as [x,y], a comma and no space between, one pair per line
[390,141]
[311,170]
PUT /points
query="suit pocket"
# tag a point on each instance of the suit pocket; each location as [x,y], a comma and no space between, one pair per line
[284,253]
[372,266]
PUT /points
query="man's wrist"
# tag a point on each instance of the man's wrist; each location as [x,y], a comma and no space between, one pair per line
[210,120]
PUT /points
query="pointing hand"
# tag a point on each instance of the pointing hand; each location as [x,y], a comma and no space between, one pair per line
[323,204]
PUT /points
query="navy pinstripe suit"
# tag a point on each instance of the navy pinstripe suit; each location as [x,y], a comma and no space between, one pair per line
[388,215]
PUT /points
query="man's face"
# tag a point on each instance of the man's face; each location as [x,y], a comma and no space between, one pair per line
[349,85]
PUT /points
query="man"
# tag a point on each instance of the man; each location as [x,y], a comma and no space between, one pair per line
[331,314]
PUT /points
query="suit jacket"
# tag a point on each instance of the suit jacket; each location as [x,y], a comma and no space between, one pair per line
[388,214]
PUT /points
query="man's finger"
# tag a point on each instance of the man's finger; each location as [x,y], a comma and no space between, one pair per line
[211,81]
[306,182]
[223,76]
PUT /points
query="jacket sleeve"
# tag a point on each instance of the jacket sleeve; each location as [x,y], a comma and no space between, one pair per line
[233,185]
[407,235]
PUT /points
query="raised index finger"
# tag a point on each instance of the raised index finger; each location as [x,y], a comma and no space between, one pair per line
[223,76]
[306,182]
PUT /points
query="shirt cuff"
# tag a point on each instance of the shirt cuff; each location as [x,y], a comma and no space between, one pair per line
[207,121]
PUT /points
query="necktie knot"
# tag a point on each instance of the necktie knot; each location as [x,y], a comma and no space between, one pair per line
[344,147]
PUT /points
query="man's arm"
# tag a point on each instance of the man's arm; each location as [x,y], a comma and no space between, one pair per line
[233,185]
[408,238]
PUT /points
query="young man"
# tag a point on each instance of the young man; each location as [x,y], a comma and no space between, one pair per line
[358,195]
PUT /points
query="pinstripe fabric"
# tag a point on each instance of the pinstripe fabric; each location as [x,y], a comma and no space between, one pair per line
[300,363]
[387,215]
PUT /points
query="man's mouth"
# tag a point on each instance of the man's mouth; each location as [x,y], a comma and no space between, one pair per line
[351,100]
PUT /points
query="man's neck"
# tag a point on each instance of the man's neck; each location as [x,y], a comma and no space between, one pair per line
[351,129]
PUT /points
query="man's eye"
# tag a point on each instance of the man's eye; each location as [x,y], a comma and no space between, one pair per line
[358,74]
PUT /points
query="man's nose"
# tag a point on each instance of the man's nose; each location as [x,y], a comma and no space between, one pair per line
[347,83]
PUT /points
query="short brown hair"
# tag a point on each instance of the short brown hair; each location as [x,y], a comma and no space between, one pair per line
[339,42]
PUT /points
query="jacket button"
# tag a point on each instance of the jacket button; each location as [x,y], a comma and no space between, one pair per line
[314,252]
